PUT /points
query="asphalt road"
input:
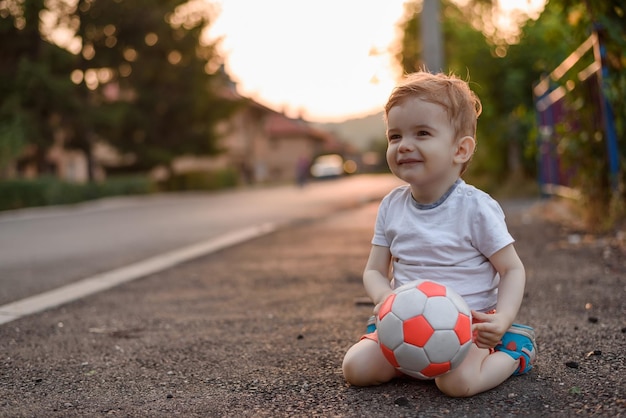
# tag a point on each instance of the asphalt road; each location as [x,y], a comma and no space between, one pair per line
[45,248]
[259,329]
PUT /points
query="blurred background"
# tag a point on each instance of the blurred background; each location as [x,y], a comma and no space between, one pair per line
[101,98]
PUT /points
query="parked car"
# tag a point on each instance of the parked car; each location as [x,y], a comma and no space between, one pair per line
[327,166]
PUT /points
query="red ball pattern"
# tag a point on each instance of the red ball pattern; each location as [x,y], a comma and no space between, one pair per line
[424,329]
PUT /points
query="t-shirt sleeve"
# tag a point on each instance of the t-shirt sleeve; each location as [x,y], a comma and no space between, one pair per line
[489,230]
[380,238]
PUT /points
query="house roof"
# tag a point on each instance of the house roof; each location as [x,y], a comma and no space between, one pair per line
[279,125]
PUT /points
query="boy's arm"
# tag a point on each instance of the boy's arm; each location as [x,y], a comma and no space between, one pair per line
[510,295]
[376,275]
[512,282]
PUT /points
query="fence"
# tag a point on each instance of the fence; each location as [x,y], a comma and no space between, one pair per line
[550,95]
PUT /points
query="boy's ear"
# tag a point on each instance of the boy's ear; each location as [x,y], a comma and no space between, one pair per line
[465,149]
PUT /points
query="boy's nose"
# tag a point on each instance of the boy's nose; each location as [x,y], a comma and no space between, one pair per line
[405,145]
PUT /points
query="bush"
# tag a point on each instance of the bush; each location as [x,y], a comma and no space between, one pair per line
[17,194]
[201,180]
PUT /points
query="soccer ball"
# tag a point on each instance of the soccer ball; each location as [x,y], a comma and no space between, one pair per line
[424,329]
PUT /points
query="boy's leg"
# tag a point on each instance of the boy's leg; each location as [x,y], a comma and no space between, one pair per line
[365,365]
[482,371]
[479,372]
[519,343]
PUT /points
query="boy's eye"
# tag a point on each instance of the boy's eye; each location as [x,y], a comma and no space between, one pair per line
[393,137]
[423,133]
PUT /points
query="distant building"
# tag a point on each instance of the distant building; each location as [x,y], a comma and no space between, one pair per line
[263,145]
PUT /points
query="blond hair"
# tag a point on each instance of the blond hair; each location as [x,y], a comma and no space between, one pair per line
[461,104]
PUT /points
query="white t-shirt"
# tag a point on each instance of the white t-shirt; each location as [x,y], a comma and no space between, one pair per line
[448,242]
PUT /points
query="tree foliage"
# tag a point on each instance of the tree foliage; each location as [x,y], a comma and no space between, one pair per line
[34,83]
[143,79]
[504,88]
[503,70]
[152,53]
[582,135]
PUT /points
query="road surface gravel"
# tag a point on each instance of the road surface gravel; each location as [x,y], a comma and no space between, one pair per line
[260,329]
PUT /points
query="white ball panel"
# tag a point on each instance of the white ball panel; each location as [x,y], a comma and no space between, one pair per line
[441,313]
[459,302]
[390,331]
[411,358]
[442,346]
[409,303]
[460,356]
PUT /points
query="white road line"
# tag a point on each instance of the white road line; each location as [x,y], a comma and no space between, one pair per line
[103,281]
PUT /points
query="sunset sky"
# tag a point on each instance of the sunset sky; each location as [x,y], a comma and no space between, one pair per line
[326,60]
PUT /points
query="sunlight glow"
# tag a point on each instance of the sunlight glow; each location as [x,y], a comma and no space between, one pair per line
[326,60]
[323,60]
[513,13]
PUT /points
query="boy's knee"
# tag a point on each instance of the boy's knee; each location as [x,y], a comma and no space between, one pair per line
[458,386]
[357,375]
[364,365]
[350,372]
[355,372]
[455,389]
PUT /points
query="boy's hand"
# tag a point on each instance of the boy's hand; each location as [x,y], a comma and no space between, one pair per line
[488,329]
[379,304]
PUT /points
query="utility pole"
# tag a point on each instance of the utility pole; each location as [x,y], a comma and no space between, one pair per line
[432,37]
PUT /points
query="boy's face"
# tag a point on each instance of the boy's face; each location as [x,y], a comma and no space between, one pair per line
[421,147]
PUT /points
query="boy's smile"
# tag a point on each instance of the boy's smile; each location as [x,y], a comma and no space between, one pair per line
[403,161]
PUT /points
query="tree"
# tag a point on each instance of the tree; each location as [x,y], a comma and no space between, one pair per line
[582,137]
[143,80]
[35,87]
[503,71]
[153,86]
[503,85]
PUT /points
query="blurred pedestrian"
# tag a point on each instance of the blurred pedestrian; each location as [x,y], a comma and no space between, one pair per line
[303,166]
[437,227]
